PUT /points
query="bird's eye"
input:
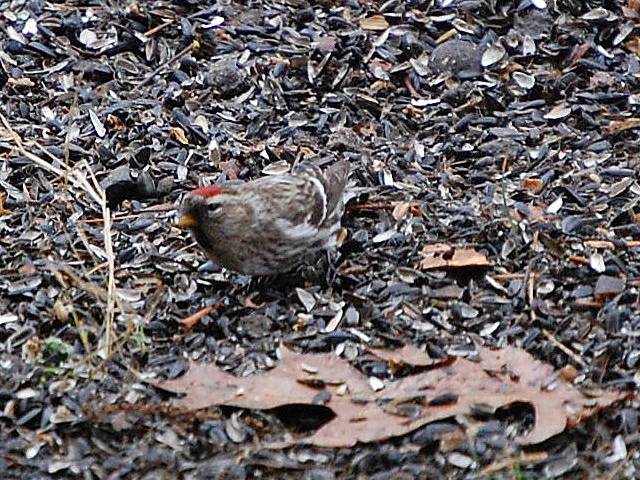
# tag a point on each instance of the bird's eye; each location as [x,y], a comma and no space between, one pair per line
[212,207]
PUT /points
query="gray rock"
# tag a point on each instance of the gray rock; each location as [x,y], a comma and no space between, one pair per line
[226,77]
[119,185]
[456,56]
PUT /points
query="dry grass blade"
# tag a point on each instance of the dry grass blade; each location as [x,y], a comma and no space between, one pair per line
[111,283]
[79,180]
[510,463]
[75,176]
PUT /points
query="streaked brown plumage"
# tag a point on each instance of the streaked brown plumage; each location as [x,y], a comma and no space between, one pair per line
[269,225]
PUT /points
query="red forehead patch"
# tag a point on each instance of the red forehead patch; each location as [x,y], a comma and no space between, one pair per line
[209,191]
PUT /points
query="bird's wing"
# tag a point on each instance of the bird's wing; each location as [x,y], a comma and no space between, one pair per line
[296,204]
[332,182]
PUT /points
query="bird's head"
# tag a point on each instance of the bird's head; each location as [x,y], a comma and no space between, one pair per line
[200,206]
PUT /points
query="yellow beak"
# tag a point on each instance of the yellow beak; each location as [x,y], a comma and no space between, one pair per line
[187,221]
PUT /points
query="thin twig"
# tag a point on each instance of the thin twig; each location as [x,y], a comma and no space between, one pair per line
[576,358]
[193,320]
[82,331]
[186,247]
[114,219]
[531,278]
[507,277]
[505,207]
[163,65]
[157,28]
[97,268]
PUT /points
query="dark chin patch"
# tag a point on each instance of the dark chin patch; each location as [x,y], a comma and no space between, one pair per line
[200,236]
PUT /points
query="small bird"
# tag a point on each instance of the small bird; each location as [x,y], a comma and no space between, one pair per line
[269,225]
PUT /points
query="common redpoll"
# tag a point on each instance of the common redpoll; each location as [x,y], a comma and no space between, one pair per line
[271,224]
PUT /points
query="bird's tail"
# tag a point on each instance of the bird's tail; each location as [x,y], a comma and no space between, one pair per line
[335,181]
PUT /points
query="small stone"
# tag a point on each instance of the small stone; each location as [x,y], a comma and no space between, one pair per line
[376,384]
[226,77]
[561,464]
[608,286]
[165,186]
[459,460]
[119,186]
[146,185]
[455,56]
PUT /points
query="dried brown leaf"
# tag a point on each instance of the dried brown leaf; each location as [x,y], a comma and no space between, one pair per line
[3,209]
[230,168]
[61,311]
[405,355]
[376,22]
[619,126]
[115,123]
[568,373]
[400,211]
[500,378]
[20,82]
[533,185]
[441,255]
[178,135]
[630,14]
[579,52]
[633,45]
